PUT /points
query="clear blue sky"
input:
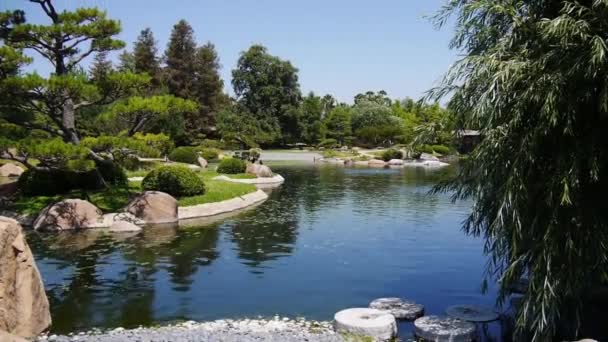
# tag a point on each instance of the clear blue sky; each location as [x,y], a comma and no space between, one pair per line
[341,47]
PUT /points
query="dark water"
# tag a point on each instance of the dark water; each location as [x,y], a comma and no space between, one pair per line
[328,239]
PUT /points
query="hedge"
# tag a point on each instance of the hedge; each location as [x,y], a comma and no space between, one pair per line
[175,180]
[231,166]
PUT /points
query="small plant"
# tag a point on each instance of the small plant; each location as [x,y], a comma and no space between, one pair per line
[184,154]
[255,154]
[231,166]
[330,154]
[175,180]
[391,153]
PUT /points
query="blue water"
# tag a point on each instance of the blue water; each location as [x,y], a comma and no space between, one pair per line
[329,238]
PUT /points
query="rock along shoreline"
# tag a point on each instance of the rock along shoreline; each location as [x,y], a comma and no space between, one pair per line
[227,330]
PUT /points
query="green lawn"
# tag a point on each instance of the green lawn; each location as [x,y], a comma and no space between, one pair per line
[114,199]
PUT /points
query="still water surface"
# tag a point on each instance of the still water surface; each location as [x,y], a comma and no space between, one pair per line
[329,238]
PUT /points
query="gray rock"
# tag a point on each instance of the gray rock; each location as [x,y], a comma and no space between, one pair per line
[203,162]
[395,162]
[69,214]
[366,322]
[440,329]
[401,309]
[427,156]
[472,313]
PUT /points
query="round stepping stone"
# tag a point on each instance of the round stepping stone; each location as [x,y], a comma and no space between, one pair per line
[472,313]
[439,329]
[401,309]
[373,323]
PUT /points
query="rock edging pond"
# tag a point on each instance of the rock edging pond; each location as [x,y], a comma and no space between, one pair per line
[243,330]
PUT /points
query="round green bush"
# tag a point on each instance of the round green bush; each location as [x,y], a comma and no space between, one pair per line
[231,166]
[174,180]
[209,153]
[441,149]
[423,149]
[184,154]
[392,153]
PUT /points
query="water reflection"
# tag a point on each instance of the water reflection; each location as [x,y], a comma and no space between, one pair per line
[328,238]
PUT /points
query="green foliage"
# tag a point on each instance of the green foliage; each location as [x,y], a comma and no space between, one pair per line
[311,126]
[179,57]
[423,149]
[379,98]
[160,142]
[330,154]
[184,154]
[328,143]
[337,124]
[231,166]
[163,113]
[116,144]
[174,180]
[237,125]
[52,152]
[441,149]
[267,87]
[34,182]
[533,79]
[208,153]
[209,88]
[112,173]
[391,153]
[209,143]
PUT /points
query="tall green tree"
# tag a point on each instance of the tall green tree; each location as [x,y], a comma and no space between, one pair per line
[179,58]
[69,38]
[310,120]
[337,124]
[145,56]
[533,79]
[126,62]
[268,88]
[209,86]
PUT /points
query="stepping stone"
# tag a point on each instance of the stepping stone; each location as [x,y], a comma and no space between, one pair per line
[365,322]
[401,309]
[472,313]
[439,329]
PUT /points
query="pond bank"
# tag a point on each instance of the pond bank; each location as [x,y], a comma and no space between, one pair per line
[276,330]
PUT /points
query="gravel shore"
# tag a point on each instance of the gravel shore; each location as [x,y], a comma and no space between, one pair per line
[275,330]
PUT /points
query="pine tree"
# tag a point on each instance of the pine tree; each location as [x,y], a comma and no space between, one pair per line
[101,67]
[145,56]
[126,62]
[179,57]
[209,85]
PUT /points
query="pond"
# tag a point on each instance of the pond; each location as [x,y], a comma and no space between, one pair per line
[329,238]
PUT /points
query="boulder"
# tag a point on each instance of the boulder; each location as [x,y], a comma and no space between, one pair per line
[376,162]
[7,337]
[124,226]
[11,170]
[401,309]
[395,162]
[154,207]
[427,156]
[261,171]
[436,328]
[364,322]
[24,308]
[202,162]
[69,214]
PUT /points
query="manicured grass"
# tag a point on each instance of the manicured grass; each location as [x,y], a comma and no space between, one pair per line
[114,199]
[109,200]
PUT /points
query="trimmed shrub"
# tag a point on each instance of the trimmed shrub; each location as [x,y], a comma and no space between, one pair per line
[330,154]
[208,153]
[423,149]
[441,149]
[254,154]
[44,182]
[231,166]
[391,153]
[215,144]
[112,173]
[175,180]
[328,143]
[184,154]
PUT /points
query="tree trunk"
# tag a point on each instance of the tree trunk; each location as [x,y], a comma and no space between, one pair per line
[68,121]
